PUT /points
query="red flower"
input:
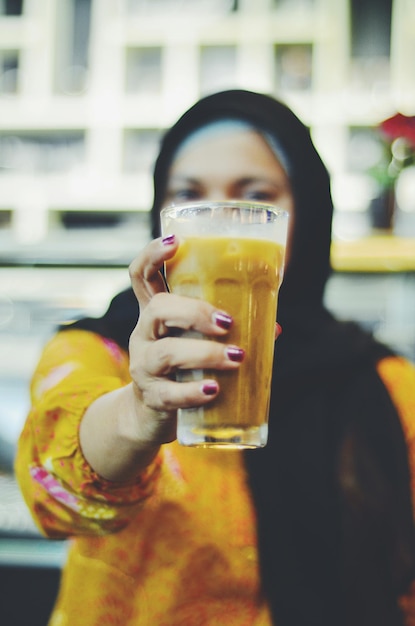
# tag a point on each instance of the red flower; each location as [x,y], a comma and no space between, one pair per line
[400,125]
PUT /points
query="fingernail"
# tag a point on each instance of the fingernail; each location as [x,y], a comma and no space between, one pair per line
[168,240]
[210,388]
[235,354]
[278,329]
[222,320]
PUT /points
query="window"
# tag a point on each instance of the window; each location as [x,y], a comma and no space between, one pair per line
[364,149]
[40,152]
[11,7]
[293,67]
[175,6]
[72,59]
[292,5]
[140,150]
[9,71]
[217,68]
[143,70]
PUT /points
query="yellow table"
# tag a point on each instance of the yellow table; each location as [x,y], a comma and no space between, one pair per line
[377,253]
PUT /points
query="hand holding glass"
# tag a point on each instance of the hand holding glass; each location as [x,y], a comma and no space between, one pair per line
[231,254]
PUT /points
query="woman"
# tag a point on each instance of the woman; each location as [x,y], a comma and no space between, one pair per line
[315,529]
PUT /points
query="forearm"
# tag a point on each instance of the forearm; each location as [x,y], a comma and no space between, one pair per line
[115,436]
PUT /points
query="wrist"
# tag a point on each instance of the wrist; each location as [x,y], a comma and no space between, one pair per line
[136,422]
[111,439]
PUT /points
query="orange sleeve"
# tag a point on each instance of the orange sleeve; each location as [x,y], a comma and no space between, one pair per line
[398,375]
[64,494]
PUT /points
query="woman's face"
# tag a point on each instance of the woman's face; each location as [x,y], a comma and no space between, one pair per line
[232,164]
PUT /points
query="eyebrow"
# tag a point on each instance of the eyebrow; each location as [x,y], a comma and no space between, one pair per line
[248,180]
[242,182]
[185,179]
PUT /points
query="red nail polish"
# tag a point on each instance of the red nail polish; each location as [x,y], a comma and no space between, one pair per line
[235,354]
[278,329]
[168,240]
[222,320]
[210,388]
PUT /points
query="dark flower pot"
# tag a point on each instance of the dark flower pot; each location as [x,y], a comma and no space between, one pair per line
[382,210]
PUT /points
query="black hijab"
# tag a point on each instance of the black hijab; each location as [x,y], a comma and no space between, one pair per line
[332,487]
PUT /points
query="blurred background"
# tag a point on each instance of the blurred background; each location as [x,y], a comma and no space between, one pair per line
[87,88]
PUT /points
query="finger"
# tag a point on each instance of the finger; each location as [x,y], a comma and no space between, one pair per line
[278,330]
[145,275]
[165,312]
[166,395]
[171,354]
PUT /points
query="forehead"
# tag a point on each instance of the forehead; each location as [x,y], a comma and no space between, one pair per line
[228,150]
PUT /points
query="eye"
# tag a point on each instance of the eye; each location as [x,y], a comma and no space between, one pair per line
[261,195]
[258,190]
[183,195]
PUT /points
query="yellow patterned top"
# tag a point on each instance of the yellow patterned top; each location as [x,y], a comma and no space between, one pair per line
[187,555]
